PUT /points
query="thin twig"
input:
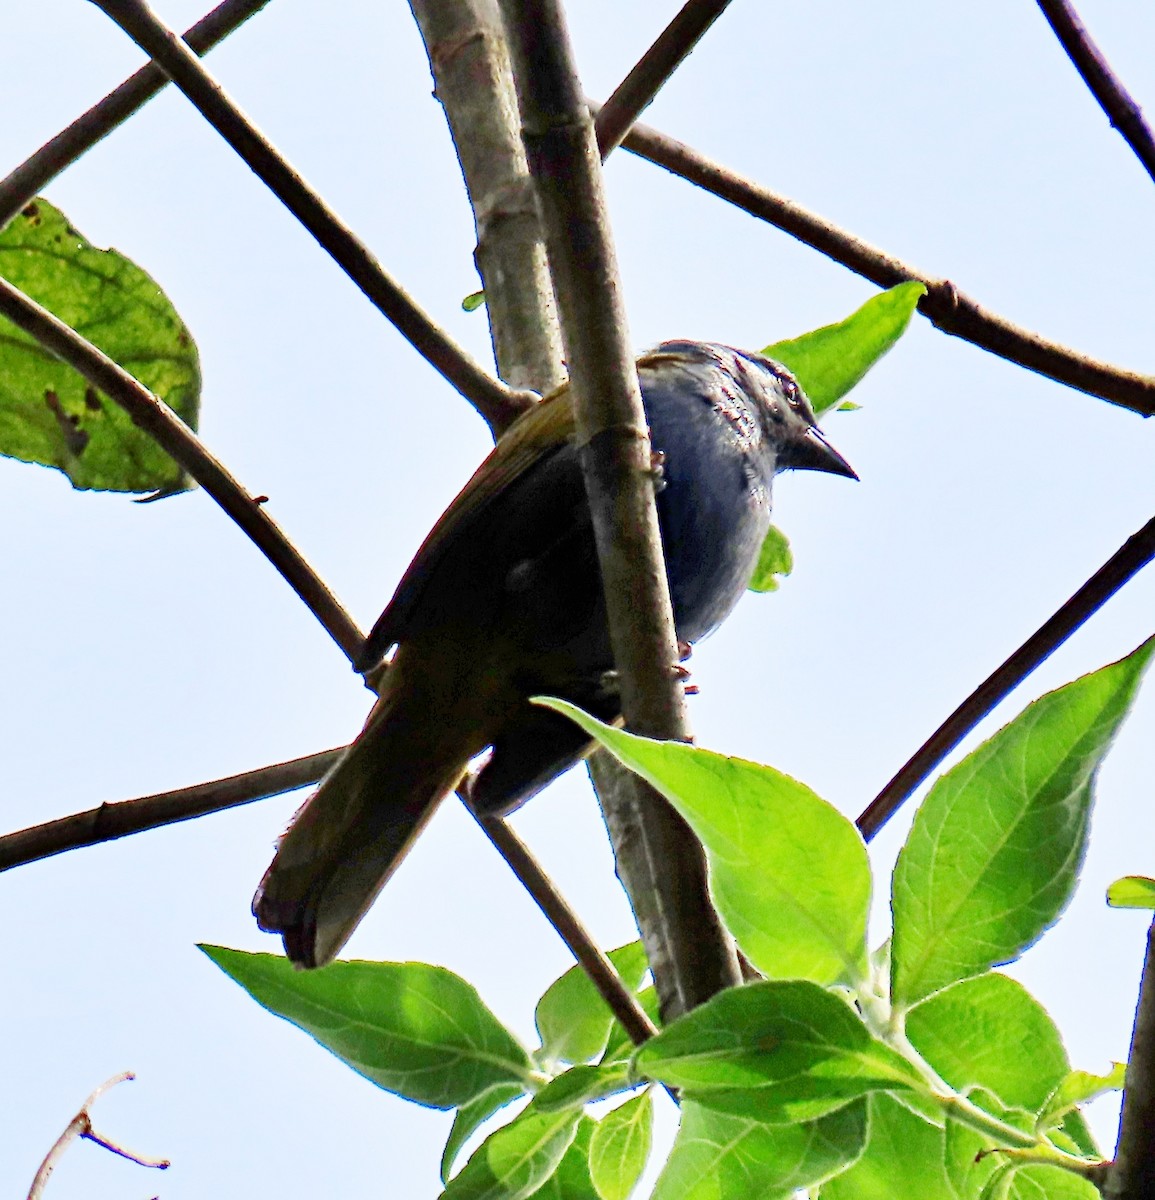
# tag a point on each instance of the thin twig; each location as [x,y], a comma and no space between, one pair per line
[623,1003]
[1124,114]
[944,305]
[1135,553]
[81,1127]
[1132,1174]
[660,861]
[174,436]
[492,399]
[124,817]
[633,95]
[28,180]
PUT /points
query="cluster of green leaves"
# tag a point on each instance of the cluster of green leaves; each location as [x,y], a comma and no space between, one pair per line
[860,1075]
[48,412]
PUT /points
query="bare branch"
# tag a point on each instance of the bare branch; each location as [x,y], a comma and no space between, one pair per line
[81,1127]
[28,180]
[111,821]
[174,436]
[944,305]
[1135,553]
[469,58]
[633,95]
[623,1003]
[497,403]
[1132,1174]
[1124,114]
[690,961]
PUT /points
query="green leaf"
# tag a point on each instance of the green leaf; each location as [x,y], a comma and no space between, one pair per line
[49,414]
[716,1157]
[902,1159]
[1078,1087]
[774,560]
[620,1147]
[473,301]
[470,1117]
[996,847]
[571,1180]
[774,1052]
[580,1085]
[1132,891]
[1050,1183]
[411,1028]
[977,1174]
[990,1032]
[517,1159]
[572,1018]
[620,1045]
[788,872]
[829,361]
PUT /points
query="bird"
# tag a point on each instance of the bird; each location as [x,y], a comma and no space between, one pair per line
[504,602]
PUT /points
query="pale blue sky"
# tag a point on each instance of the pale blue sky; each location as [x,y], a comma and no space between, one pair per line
[148,648]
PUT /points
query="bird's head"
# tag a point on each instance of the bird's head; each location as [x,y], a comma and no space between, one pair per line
[776,401]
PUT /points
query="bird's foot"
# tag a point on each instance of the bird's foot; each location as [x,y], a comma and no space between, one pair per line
[658,469]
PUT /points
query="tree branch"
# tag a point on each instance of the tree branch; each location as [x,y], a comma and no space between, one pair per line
[493,400]
[81,1127]
[690,959]
[28,180]
[1124,114]
[1132,1174]
[108,822]
[634,94]
[174,436]
[1135,553]
[944,305]
[469,58]
[622,1002]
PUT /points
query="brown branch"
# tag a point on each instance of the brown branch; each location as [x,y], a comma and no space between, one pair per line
[1132,1174]
[944,305]
[623,1003]
[174,436]
[1135,553]
[124,817]
[633,95]
[469,58]
[492,399]
[658,858]
[28,180]
[1124,114]
[81,1127]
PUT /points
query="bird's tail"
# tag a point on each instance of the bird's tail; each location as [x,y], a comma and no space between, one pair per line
[351,834]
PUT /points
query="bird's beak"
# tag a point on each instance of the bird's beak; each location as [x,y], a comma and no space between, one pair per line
[812,452]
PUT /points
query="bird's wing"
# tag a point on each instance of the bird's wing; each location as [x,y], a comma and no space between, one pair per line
[527,443]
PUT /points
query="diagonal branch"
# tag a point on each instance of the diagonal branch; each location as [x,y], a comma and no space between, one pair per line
[944,305]
[81,1127]
[690,952]
[469,59]
[124,817]
[28,180]
[602,973]
[1135,553]
[492,399]
[1124,114]
[1132,1175]
[633,95]
[174,436]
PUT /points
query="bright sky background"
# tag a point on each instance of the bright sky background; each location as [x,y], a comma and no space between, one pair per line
[145,648]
